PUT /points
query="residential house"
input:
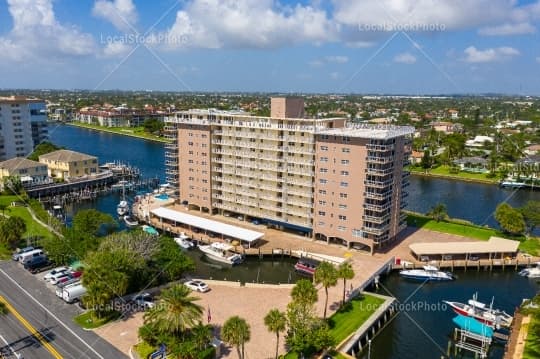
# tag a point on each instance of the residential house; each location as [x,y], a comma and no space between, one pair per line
[68,164]
[30,172]
[473,164]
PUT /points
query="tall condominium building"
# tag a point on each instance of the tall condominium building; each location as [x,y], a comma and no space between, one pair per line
[23,125]
[324,178]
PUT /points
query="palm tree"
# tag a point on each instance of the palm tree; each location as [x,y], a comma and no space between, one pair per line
[235,331]
[175,311]
[326,274]
[275,322]
[201,336]
[438,212]
[345,271]
[304,292]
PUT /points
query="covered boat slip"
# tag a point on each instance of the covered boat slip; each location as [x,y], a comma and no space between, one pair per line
[225,231]
[494,248]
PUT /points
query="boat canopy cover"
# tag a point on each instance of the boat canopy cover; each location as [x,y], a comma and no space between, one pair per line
[208,224]
[493,245]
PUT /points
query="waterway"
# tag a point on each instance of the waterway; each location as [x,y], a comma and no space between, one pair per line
[423,325]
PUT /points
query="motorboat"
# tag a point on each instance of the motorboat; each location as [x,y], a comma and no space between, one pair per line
[480,311]
[531,272]
[131,221]
[306,266]
[472,325]
[221,252]
[150,230]
[123,208]
[183,241]
[428,273]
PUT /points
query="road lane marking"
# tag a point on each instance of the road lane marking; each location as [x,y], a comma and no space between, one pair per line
[52,315]
[33,331]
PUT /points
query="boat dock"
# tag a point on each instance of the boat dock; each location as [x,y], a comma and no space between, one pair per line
[480,264]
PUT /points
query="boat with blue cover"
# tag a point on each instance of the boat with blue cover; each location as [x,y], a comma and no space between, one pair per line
[472,325]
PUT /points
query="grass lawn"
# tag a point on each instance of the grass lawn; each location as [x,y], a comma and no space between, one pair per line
[144,349]
[87,321]
[532,345]
[348,319]
[5,252]
[126,131]
[531,246]
[460,229]
[444,171]
[32,227]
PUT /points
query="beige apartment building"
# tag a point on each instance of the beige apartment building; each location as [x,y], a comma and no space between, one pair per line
[66,164]
[28,171]
[269,170]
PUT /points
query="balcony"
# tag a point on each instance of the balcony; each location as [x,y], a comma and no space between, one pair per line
[380,159]
[374,230]
[379,171]
[379,184]
[376,219]
[405,174]
[378,196]
[377,207]
[170,154]
[171,171]
[380,148]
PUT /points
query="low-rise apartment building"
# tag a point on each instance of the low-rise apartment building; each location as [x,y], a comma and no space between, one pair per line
[66,164]
[114,117]
[23,125]
[325,178]
[28,171]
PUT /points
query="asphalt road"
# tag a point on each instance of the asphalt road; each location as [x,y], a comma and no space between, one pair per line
[49,315]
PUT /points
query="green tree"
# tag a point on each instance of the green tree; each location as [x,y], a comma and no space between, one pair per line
[276,322]
[171,260]
[531,214]
[510,219]
[427,161]
[94,222]
[153,125]
[438,212]
[236,332]
[201,336]
[42,149]
[11,230]
[12,185]
[3,207]
[304,292]
[175,312]
[345,271]
[326,274]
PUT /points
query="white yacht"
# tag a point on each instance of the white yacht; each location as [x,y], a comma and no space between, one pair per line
[532,272]
[221,252]
[131,221]
[183,241]
[428,273]
[123,208]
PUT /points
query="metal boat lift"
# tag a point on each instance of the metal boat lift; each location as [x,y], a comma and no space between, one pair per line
[475,343]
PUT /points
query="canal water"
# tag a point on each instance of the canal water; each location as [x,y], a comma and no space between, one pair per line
[423,325]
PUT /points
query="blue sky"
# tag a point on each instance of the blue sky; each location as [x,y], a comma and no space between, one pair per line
[368,46]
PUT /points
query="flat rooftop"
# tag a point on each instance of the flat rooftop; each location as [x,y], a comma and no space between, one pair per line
[493,245]
[208,224]
[369,131]
[240,114]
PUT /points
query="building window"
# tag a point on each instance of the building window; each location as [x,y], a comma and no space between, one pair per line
[323,181]
[344,162]
[324,159]
[343,195]
[324,148]
[321,223]
[342,217]
[322,203]
[341,228]
[357,233]
[323,170]
[190,143]
[344,184]
[342,206]
[322,191]
[190,152]
[322,213]
[345,150]
[344,173]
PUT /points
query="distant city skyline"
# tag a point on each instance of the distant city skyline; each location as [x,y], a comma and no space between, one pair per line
[318,46]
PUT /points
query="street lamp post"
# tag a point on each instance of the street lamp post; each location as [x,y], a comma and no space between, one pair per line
[369,349]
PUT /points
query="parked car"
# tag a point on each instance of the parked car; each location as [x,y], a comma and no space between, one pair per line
[38,265]
[144,300]
[55,271]
[64,277]
[18,253]
[30,255]
[197,285]
[73,293]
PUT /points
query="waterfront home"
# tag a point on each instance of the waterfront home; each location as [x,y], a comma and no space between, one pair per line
[416,157]
[473,164]
[115,116]
[66,164]
[479,141]
[30,172]
[447,127]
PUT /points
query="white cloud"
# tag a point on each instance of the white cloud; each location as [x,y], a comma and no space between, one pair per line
[116,49]
[121,13]
[508,29]
[473,55]
[337,59]
[36,34]
[405,58]
[249,24]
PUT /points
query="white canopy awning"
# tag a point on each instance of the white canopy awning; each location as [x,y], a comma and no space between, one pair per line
[208,224]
